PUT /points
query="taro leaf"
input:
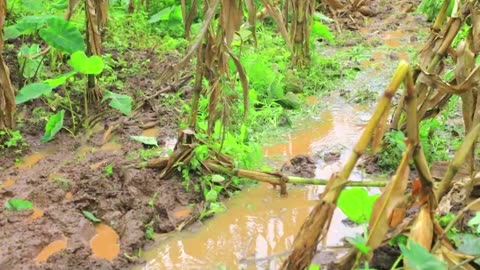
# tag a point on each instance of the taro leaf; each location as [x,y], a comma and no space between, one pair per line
[29,24]
[468,243]
[53,126]
[356,204]
[11,32]
[91,216]
[319,30]
[33,5]
[419,258]
[30,66]
[475,222]
[145,140]
[120,102]
[61,4]
[211,196]
[32,91]
[359,242]
[162,15]
[217,178]
[86,65]
[18,204]
[62,79]
[62,35]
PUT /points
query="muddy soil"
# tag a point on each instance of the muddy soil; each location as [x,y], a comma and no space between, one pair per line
[64,177]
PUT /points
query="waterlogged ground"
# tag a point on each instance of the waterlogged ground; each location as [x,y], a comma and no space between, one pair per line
[68,176]
[260,226]
[259,223]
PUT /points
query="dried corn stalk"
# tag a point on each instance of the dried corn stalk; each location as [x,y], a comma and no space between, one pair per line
[7,92]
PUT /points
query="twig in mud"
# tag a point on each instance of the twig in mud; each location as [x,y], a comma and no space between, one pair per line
[170,87]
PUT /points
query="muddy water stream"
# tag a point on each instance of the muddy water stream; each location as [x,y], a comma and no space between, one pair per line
[258,222]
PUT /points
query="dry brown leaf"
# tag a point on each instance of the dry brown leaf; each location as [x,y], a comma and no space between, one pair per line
[422,229]
[453,258]
[231,18]
[475,16]
[392,197]
[279,20]
[472,80]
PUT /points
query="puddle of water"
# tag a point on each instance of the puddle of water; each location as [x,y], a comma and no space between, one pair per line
[111,146]
[259,222]
[182,212]
[37,213]
[8,183]
[52,248]
[105,243]
[31,160]
[151,132]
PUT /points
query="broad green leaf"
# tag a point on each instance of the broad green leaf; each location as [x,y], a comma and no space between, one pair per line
[419,258]
[475,222]
[217,178]
[61,4]
[145,140]
[211,196]
[321,30]
[62,35]
[33,5]
[91,216]
[86,65]
[356,204]
[162,15]
[18,204]
[60,80]
[468,243]
[120,102]
[53,126]
[32,91]
[29,24]
[314,267]
[360,243]
[11,32]
[30,66]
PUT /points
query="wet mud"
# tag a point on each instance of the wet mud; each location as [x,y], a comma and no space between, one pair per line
[67,176]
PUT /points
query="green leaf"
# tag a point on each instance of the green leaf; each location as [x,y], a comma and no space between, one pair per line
[11,32]
[321,30]
[314,267]
[360,243]
[419,258]
[162,15]
[62,35]
[120,102]
[32,91]
[29,65]
[29,24]
[91,216]
[86,65]
[475,222]
[33,5]
[356,204]
[18,204]
[217,178]
[211,196]
[468,243]
[145,140]
[60,80]
[53,126]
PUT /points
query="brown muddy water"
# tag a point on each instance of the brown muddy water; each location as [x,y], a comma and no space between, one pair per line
[259,223]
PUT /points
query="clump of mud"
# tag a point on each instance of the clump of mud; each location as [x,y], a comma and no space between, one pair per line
[301,165]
